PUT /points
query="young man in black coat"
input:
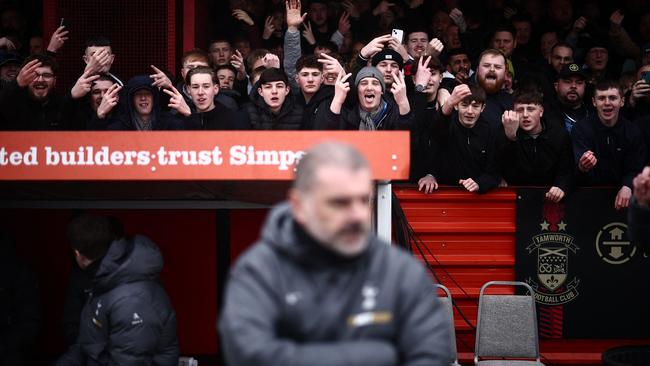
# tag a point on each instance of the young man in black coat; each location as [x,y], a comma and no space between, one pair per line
[608,149]
[532,151]
[272,106]
[467,144]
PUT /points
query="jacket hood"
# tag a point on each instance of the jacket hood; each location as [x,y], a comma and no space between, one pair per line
[137,83]
[128,260]
[288,238]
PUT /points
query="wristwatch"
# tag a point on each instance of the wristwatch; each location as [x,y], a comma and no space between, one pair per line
[419,88]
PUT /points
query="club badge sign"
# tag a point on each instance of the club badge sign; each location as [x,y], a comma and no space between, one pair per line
[552,250]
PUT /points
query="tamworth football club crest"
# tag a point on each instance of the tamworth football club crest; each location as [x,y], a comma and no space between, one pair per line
[553,285]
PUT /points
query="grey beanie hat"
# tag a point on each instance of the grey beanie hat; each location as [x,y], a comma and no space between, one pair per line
[370,71]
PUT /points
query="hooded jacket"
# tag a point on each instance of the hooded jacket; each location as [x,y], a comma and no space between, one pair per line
[291,301]
[128,319]
[126,121]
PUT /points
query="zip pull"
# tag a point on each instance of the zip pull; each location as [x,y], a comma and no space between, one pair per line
[467,140]
[607,140]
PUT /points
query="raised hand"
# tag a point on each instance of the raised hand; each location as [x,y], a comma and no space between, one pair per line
[177,102]
[83,85]
[341,89]
[616,18]
[457,95]
[27,73]
[294,19]
[510,121]
[351,8]
[434,48]
[398,89]
[7,43]
[109,101]
[98,61]
[271,60]
[423,75]
[375,46]
[308,34]
[344,23]
[57,40]
[243,16]
[382,7]
[269,28]
[579,25]
[237,61]
[160,80]
[457,16]
[330,64]
[394,45]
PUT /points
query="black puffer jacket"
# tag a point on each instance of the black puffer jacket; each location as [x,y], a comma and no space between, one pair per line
[290,301]
[261,117]
[128,319]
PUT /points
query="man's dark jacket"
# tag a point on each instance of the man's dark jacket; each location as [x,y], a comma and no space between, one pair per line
[291,301]
[546,160]
[319,103]
[19,112]
[465,152]
[620,151]
[261,118]
[128,319]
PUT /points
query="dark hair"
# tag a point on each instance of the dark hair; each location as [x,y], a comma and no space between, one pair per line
[195,53]
[607,84]
[220,39]
[273,74]
[225,67]
[528,96]
[309,61]
[103,77]
[561,44]
[91,235]
[504,27]
[327,44]
[201,70]
[97,41]
[255,55]
[433,64]
[478,94]
[45,60]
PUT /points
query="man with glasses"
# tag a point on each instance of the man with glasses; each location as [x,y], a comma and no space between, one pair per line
[28,103]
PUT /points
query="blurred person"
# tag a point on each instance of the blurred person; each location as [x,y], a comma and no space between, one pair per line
[129,318]
[319,288]
[639,212]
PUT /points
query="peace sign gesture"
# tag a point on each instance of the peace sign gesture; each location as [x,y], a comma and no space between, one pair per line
[83,85]
[177,101]
[423,74]
[341,89]
[398,88]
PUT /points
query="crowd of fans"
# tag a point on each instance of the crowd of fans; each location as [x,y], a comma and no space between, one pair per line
[546,93]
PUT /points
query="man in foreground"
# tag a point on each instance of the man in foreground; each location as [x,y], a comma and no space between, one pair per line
[319,289]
